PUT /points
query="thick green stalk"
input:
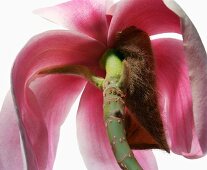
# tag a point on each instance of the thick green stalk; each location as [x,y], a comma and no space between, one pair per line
[114,110]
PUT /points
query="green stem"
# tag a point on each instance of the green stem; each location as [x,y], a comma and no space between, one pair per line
[114,110]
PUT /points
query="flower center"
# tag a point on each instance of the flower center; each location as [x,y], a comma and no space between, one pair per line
[130,106]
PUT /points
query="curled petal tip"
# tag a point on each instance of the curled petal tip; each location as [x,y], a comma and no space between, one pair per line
[196,61]
[174,7]
[88,17]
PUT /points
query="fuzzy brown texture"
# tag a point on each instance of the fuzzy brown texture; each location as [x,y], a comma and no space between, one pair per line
[144,125]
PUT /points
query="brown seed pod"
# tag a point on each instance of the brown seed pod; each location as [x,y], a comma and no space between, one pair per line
[143,120]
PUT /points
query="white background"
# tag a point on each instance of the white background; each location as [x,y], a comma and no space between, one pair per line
[18,24]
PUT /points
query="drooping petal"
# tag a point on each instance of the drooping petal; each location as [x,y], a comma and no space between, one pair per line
[175,95]
[150,16]
[10,149]
[48,102]
[197,65]
[87,16]
[46,110]
[43,103]
[93,141]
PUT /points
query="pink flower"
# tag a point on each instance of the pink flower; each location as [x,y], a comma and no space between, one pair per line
[42,103]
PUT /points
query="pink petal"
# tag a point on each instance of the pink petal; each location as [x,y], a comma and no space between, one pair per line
[46,110]
[175,95]
[151,16]
[42,104]
[197,65]
[49,102]
[10,150]
[146,159]
[87,16]
[112,8]
[93,141]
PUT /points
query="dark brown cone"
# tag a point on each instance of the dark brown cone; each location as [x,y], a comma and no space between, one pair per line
[144,125]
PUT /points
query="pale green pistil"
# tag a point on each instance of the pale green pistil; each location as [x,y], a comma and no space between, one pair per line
[112,64]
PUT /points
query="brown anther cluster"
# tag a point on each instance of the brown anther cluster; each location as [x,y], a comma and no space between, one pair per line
[140,88]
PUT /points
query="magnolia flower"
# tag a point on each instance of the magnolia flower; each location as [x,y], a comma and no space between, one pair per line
[42,102]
